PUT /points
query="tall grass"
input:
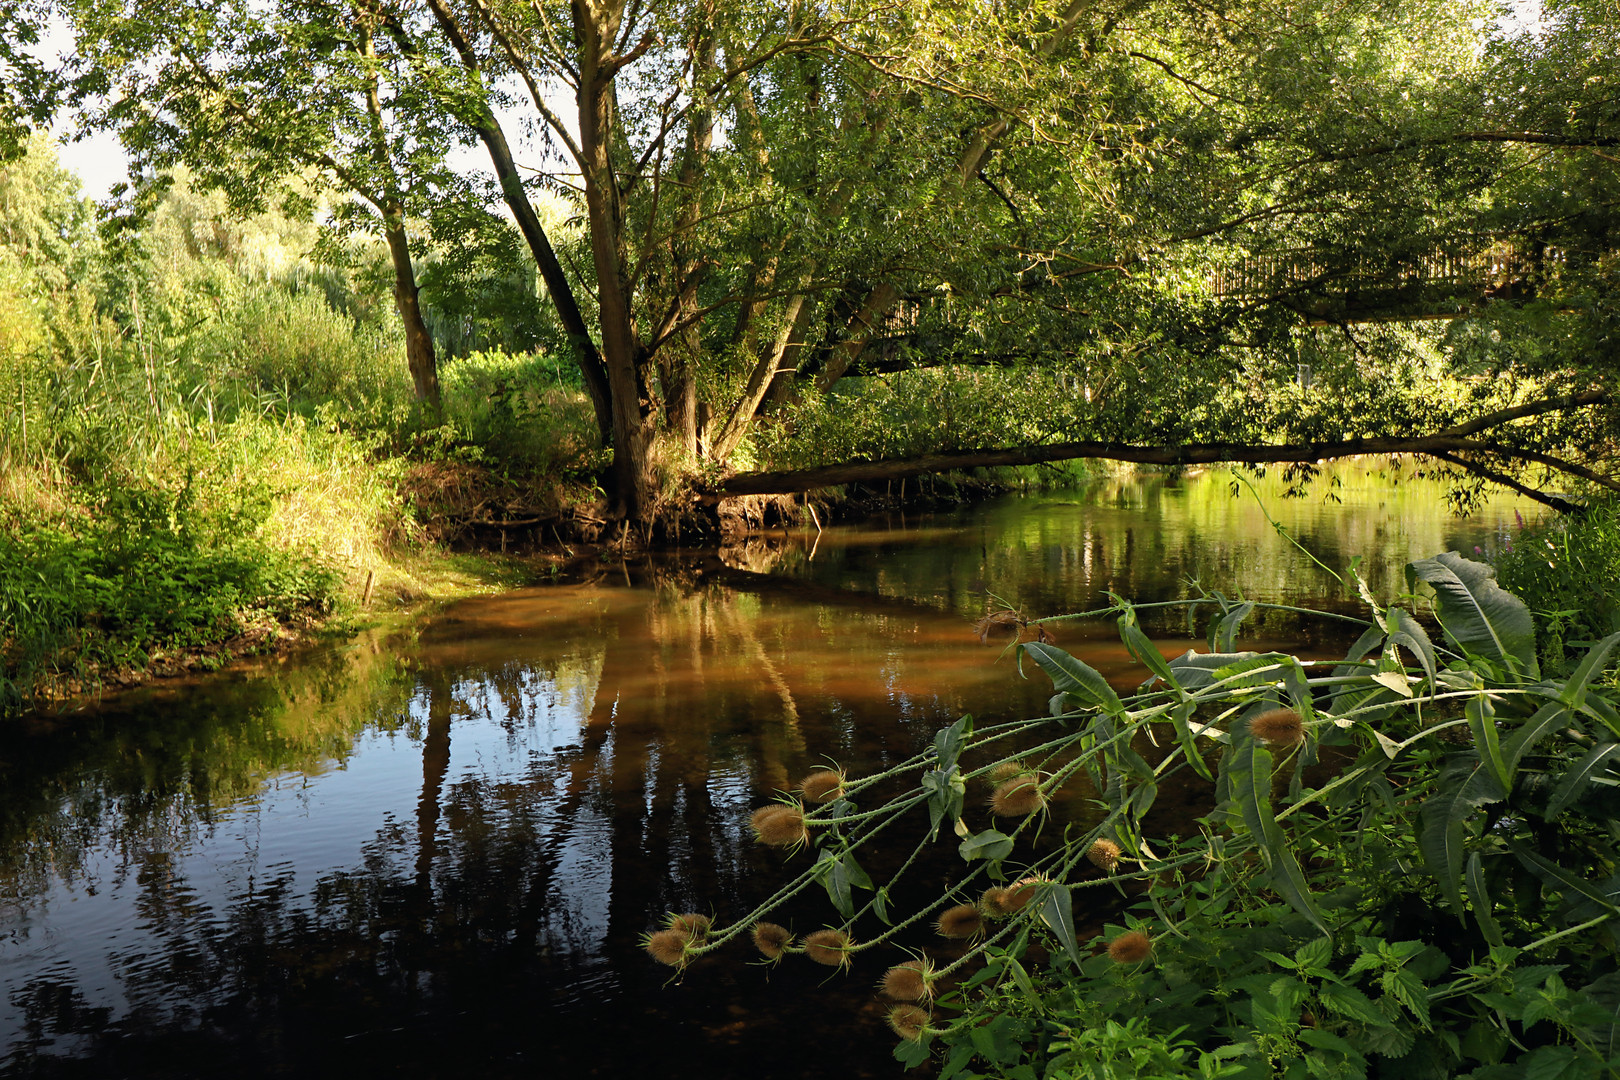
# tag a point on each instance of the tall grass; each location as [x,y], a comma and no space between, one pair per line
[1567,569]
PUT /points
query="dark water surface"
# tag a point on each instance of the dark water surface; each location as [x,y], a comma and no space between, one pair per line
[434,854]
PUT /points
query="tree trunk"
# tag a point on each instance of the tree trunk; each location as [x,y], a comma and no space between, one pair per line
[635,417]
[491,134]
[419,353]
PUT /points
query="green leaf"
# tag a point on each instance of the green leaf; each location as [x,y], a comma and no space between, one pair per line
[1370,641]
[990,844]
[1444,817]
[1579,776]
[1406,631]
[1196,670]
[1481,900]
[1561,879]
[1548,718]
[1477,615]
[1224,636]
[1142,648]
[1481,716]
[1574,692]
[1057,912]
[946,791]
[1553,1063]
[948,743]
[1349,1002]
[1181,717]
[1072,676]
[1249,780]
[911,1054]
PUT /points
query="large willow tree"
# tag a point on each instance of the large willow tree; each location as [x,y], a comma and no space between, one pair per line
[779,197]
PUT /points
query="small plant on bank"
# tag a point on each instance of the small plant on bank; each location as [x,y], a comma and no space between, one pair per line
[1406,863]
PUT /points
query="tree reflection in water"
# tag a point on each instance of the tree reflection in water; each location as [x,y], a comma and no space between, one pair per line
[435,855]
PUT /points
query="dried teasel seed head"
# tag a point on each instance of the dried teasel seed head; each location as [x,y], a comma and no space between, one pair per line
[910,981]
[779,825]
[823,785]
[960,923]
[1104,855]
[667,947]
[909,1022]
[1281,727]
[1131,947]
[830,947]
[1018,797]
[772,940]
[693,927]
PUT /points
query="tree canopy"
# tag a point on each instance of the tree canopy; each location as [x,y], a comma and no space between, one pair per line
[1115,226]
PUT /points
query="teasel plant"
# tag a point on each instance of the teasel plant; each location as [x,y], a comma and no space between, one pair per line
[1461,728]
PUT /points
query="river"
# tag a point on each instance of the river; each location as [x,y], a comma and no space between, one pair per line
[434,853]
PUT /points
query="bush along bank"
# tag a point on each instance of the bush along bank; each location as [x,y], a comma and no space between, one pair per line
[1406,865]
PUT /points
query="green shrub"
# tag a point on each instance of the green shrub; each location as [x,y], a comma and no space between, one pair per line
[145,569]
[1567,568]
[520,410]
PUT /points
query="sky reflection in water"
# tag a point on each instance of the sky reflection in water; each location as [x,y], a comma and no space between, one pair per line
[432,855]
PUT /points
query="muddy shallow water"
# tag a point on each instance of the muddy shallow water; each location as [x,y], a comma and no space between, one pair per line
[435,853]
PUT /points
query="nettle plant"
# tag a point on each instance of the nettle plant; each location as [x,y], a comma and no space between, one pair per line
[1406,866]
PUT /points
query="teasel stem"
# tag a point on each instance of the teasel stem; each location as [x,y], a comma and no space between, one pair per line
[1196,601]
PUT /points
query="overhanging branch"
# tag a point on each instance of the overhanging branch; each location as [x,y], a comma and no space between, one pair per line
[781,483]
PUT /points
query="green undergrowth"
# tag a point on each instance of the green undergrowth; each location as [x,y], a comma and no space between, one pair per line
[1567,568]
[1238,865]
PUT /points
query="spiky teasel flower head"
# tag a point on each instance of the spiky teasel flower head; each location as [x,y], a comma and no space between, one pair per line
[667,947]
[910,1022]
[1018,797]
[960,923]
[772,940]
[1280,727]
[1006,770]
[910,981]
[823,785]
[1104,855]
[1131,947]
[1001,901]
[693,927]
[830,947]
[779,825]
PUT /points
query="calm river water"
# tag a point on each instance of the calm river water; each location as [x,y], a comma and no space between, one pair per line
[433,854]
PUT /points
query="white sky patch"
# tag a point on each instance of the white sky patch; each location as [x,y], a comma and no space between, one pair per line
[99,160]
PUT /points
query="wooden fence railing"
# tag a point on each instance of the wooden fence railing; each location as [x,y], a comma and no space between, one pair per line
[1474,265]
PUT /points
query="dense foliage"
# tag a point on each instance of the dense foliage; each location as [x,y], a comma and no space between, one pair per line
[206,435]
[1109,217]
[1400,864]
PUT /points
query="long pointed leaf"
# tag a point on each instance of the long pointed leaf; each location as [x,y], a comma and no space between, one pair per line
[1406,631]
[1225,637]
[1141,646]
[1482,722]
[1058,913]
[1477,614]
[1443,835]
[1072,676]
[1579,776]
[1560,878]
[1574,692]
[1250,785]
[1481,900]
[1548,718]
